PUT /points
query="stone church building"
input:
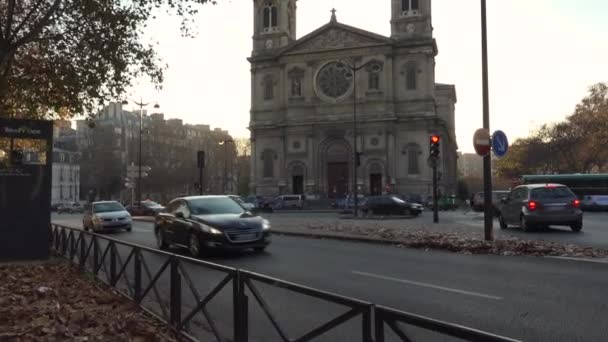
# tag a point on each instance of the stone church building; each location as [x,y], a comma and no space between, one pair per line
[309,94]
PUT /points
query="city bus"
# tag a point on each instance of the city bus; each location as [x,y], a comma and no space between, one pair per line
[591,189]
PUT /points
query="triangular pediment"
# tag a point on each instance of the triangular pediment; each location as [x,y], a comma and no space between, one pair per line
[335,36]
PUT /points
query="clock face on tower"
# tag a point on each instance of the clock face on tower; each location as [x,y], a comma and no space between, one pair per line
[334,81]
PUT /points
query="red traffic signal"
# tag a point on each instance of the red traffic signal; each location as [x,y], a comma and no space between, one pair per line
[434,146]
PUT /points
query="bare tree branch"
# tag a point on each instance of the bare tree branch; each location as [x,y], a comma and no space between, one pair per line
[27,17]
[41,24]
[10,11]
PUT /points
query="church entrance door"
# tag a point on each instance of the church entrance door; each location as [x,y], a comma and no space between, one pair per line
[337,179]
[375,184]
[298,185]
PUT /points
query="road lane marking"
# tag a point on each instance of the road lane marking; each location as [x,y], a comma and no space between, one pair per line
[431,286]
[597,261]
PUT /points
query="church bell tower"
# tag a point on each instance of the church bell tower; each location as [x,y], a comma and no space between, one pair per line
[274,24]
[411,19]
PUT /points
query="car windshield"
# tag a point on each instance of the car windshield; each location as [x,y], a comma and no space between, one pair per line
[107,207]
[215,205]
[551,193]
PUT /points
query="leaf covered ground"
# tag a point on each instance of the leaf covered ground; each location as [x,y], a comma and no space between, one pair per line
[53,301]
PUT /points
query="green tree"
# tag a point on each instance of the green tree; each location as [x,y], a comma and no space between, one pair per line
[69,57]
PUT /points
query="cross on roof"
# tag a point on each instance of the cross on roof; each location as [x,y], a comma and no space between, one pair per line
[333,15]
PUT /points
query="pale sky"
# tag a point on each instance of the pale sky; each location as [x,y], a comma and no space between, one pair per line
[543,56]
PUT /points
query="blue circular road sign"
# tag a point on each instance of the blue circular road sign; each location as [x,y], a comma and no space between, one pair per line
[500,143]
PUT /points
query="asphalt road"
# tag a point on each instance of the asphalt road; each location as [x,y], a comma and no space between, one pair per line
[527,298]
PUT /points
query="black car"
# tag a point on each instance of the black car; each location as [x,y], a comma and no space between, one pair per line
[202,223]
[145,208]
[390,205]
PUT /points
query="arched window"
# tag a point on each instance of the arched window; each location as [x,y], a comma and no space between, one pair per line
[373,75]
[268,87]
[407,5]
[413,157]
[410,75]
[275,16]
[271,16]
[268,162]
[266,17]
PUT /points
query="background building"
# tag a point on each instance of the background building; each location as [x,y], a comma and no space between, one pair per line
[470,165]
[303,100]
[169,148]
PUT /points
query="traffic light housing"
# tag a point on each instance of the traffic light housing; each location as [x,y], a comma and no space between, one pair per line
[434,146]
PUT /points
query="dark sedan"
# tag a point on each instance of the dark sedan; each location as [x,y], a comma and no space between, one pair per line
[390,205]
[145,208]
[202,223]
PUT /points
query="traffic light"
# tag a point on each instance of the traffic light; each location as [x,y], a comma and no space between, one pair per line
[434,146]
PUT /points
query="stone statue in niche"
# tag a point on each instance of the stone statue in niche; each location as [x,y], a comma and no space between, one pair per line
[296,87]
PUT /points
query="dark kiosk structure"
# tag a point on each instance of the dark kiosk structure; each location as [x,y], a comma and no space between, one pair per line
[25,188]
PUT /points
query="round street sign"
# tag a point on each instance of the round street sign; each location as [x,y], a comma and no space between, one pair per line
[481,142]
[500,143]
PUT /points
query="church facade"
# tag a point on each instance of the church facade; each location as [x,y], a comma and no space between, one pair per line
[317,97]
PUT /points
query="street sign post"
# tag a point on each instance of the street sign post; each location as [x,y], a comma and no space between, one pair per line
[481,142]
[500,143]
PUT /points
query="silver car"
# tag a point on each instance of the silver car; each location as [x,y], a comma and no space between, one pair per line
[541,205]
[106,215]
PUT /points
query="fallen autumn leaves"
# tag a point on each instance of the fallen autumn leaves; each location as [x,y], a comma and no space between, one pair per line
[456,242]
[53,301]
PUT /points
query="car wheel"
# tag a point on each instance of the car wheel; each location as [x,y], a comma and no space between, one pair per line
[259,249]
[523,223]
[129,228]
[160,240]
[502,222]
[194,245]
[577,227]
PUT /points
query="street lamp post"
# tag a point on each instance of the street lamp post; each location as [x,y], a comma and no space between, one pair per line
[141,105]
[225,143]
[356,157]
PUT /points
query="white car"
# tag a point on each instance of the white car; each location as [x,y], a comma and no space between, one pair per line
[106,215]
[248,206]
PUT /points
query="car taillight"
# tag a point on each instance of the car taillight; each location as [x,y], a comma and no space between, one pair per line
[576,203]
[532,205]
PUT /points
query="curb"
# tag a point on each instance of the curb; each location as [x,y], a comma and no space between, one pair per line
[334,237]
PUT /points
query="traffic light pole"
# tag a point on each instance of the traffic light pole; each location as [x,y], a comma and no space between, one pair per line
[435,199]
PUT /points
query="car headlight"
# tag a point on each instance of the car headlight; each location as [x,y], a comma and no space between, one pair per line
[265,224]
[211,230]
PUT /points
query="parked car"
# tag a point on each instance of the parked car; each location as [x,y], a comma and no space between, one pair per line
[202,223]
[478,201]
[390,205]
[260,203]
[543,205]
[239,200]
[289,202]
[106,215]
[70,208]
[497,197]
[145,208]
[343,203]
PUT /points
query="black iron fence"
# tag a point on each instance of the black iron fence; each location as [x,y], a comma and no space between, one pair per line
[162,292]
